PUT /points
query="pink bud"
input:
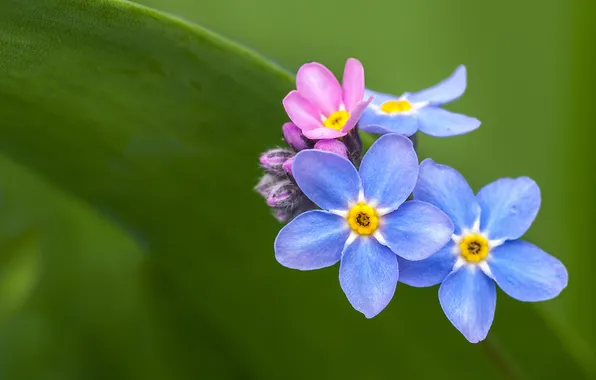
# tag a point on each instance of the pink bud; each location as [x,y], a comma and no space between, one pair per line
[283,194]
[287,166]
[333,146]
[273,159]
[281,215]
[294,137]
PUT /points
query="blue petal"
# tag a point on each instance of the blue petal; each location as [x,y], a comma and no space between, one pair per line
[378,97]
[428,272]
[329,180]
[389,171]
[368,275]
[313,240]
[526,272]
[445,188]
[509,206]
[416,230]
[444,92]
[374,121]
[438,122]
[468,298]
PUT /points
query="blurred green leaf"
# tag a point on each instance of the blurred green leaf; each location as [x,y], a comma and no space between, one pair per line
[143,134]
[19,271]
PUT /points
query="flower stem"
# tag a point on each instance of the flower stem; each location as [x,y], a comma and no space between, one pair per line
[509,369]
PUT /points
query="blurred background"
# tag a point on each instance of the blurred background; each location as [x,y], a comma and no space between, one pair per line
[84,295]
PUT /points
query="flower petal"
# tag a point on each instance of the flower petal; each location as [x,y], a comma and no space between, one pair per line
[509,206]
[427,272]
[468,298]
[313,240]
[378,97]
[317,83]
[438,122]
[329,180]
[323,134]
[526,272]
[416,230]
[368,275]
[445,188]
[376,121]
[444,92]
[353,83]
[355,114]
[302,112]
[389,171]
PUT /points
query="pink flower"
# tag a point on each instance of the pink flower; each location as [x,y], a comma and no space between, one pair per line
[322,108]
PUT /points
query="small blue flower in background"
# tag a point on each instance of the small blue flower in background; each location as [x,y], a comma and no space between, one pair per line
[421,111]
[365,222]
[484,249]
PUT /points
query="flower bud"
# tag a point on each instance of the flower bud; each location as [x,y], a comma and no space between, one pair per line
[273,159]
[283,194]
[333,146]
[294,137]
[265,184]
[299,204]
[287,166]
[281,215]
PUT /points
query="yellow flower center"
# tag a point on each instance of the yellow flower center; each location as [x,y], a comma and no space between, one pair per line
[474,248]
[395,106]
[337,120]
[363,219]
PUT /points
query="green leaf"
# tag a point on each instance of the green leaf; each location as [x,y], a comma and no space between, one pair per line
[134,138]
[19,271]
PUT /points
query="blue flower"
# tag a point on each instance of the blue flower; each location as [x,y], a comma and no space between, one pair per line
[364,222]
[419,111]
[485,248]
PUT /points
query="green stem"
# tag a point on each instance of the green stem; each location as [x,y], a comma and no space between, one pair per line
[506,365]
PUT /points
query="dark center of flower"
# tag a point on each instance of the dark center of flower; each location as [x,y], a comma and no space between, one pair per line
[474,247]
[363,220]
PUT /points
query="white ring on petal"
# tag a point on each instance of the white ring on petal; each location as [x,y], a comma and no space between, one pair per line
[361,196]
[352,238]
[379,236]
[384,211]
[459,263]
[494,243]
[342,213]
[456,238]
[485,268]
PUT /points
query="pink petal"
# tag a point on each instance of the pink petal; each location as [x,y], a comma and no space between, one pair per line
[356,114]
[323,133]
[302,112]
[353,83]
[317,84]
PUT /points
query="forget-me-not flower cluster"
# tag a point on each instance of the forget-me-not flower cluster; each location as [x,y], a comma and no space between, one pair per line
[386,218]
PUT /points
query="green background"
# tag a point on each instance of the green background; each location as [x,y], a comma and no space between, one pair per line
[133,247]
